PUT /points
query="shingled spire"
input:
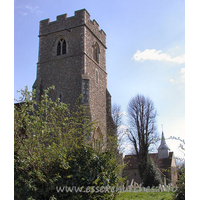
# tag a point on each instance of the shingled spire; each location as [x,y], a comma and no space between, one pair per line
[163,149]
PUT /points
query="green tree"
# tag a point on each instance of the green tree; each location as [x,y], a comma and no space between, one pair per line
[180,193]
[152,176]
[53,149]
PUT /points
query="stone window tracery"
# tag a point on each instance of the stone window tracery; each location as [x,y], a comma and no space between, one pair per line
[61,47]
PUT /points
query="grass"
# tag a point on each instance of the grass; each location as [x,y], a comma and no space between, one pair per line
[145,195]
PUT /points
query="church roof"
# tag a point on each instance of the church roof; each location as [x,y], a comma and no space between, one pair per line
[131,161]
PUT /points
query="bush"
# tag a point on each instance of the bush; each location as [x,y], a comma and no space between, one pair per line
[180,193]
[53,149]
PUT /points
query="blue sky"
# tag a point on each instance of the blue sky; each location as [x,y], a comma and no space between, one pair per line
[146,52]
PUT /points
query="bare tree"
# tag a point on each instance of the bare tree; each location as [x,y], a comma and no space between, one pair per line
[142,132]
[117,116]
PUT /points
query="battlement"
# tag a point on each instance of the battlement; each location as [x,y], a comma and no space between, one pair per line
[80,18]
[61,17]
[72,57]
[94,22]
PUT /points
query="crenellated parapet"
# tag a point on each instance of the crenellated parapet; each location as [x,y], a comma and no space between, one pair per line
[63,22]
[72,57]
[93,26]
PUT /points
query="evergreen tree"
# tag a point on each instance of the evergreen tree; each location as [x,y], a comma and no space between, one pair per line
[152,176]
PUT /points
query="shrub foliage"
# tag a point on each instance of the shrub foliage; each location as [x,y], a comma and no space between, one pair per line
[53,149]
[180,193]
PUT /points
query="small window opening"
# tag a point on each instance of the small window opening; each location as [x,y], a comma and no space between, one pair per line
[96,52]
[85,91]
[60,97]
[97,76]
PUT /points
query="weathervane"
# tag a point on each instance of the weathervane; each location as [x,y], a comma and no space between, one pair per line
[162,127]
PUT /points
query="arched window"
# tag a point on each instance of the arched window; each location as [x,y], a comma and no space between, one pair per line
[96,52]
[61,47]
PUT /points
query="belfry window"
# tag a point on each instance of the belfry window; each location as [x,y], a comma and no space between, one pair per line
[96,52]
[61,47]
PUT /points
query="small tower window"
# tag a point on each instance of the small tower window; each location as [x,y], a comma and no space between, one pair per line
[96,52]
[61,47]
[85,91]
[97,76]
[60,97]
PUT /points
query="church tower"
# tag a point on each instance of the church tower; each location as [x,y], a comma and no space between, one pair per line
[163,149]
[72,57]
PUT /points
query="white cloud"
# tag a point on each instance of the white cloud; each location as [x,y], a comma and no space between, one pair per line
[183,74]
[152,54]
[31,8]
[180,77]
[26,9]
[23,13]
[183,70]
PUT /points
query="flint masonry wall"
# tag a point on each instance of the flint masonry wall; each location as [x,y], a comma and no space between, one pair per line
[92,35]
[67,71]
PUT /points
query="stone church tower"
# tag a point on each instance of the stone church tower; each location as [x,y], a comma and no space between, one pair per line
[72,57]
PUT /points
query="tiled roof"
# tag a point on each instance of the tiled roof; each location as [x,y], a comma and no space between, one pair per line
[131,161]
